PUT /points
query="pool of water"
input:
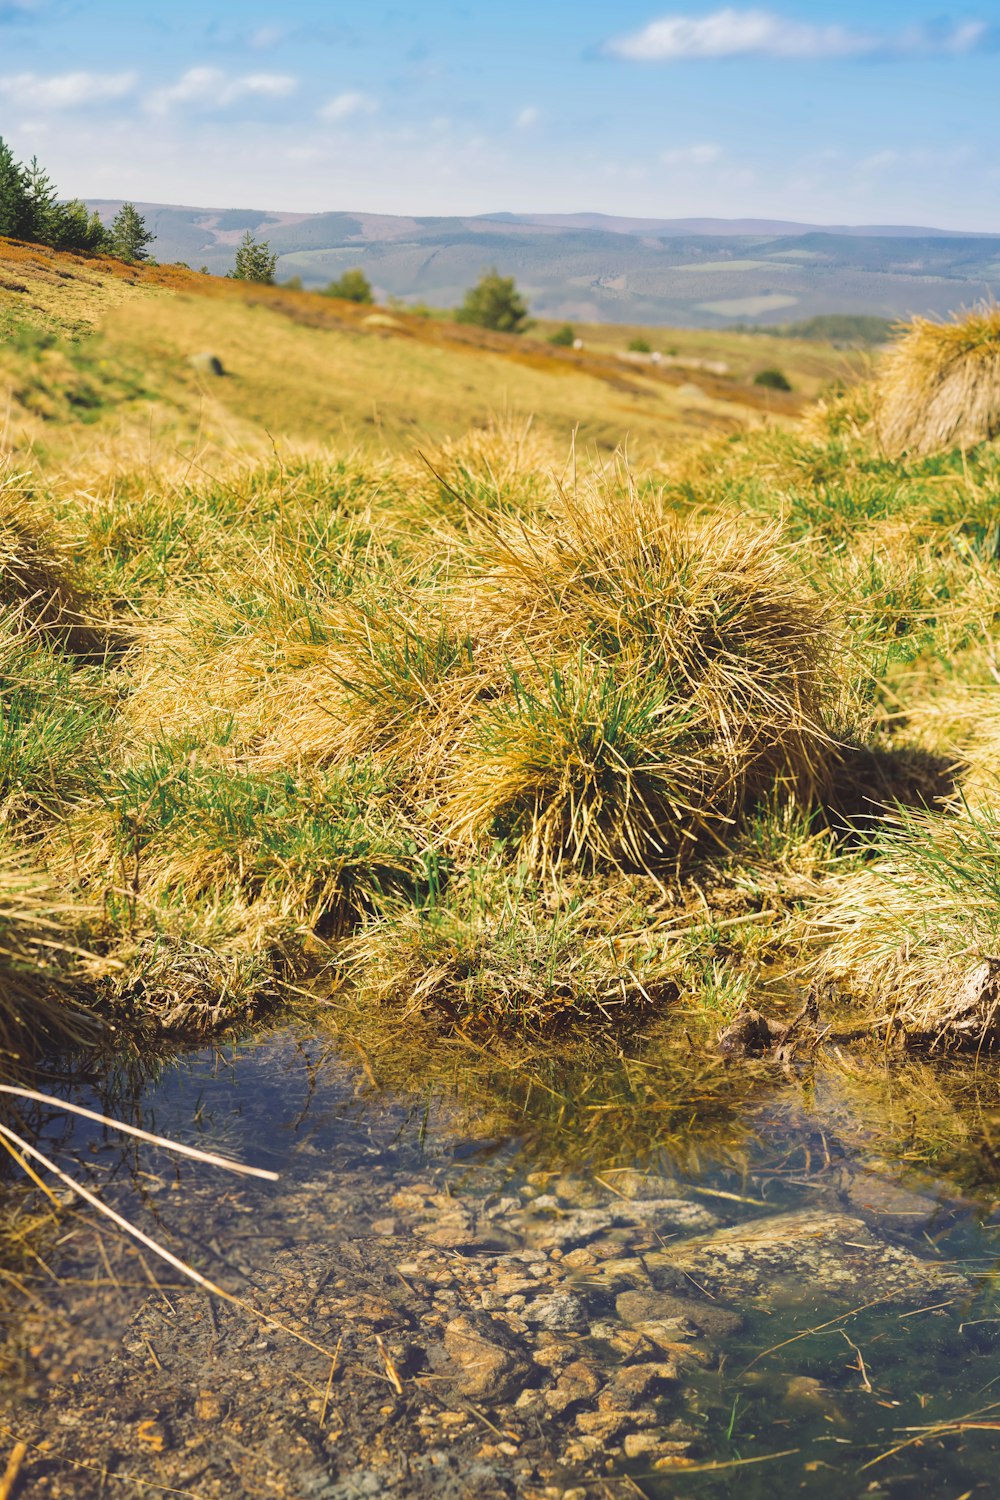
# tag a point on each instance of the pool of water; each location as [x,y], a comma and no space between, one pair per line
[396,1216]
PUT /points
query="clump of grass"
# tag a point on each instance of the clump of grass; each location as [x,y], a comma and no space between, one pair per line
[54,713]
[919,931]
[36,573]
[939,385]
[180,987]
[652,676]
[490,950]
[42,965]
[183,836]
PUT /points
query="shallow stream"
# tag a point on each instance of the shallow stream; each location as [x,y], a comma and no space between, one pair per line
[806,1305]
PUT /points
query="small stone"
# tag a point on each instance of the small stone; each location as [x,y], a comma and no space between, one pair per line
[578,1382]
[638,1308]
[493,1361]
[562,1312]
[632,1384]
[154,1436]
[208,1407]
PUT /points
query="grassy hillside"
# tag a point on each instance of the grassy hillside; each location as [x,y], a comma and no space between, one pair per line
[498,733]
[303,368]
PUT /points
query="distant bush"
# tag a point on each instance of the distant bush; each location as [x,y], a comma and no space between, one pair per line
[353,286]
[774,380]
[494,303]
[254,261]
[293,284]
[839,328]
[639,346]
[564,337]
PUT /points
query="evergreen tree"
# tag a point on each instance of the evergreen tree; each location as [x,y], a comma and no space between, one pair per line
[254,261]
[15,205]
[75,229]
[129,235]
[43,202]
[494,302]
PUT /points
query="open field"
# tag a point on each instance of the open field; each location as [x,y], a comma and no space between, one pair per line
[507,733]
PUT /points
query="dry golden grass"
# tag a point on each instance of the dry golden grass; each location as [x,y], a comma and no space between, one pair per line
[42,967]
[37,573]
[939,385]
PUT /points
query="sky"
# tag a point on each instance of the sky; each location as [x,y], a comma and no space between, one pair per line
[859,112]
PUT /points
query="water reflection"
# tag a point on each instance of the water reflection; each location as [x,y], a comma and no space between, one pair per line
[474,1158]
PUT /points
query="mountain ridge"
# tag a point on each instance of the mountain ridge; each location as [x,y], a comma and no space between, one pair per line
[602,268]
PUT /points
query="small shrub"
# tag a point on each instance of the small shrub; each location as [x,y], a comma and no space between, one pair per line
[353,286]
[564,337]
[772,380]
[494,303]
[639,346]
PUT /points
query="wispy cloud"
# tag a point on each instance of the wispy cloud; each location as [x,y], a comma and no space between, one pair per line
[343,106]
[263,38]
[762,33]
[65,90]
[527,117]
[19,10]
[211,88]
[702,155]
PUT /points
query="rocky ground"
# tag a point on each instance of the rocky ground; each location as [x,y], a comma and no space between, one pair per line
[523,1337]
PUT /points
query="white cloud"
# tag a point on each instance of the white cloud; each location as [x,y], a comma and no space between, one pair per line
[528,116]
[762,33]
[214,89]
[65,90]
[343,106]
[691,156]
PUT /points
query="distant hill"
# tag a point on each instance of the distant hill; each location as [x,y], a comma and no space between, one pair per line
[596,268]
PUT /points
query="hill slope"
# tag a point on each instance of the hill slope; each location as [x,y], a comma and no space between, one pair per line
[90,347]
[697,273]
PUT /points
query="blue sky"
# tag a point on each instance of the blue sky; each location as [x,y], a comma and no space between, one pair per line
[871,112]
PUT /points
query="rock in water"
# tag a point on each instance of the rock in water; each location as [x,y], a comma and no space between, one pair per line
[493,1361]
[810,1256]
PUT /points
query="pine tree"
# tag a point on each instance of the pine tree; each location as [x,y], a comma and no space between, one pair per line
[15,205]
[75,229]
[43,203]
[129,235]
[254,261]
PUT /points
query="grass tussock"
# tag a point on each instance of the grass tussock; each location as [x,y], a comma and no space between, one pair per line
[43,970]
[37,573]
[939,385]
[606,685]
[918,932]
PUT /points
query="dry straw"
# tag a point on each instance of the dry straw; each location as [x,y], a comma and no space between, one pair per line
[939,386]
